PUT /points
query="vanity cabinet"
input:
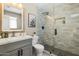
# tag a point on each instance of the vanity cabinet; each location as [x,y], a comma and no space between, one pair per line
[24,51]
[11,18]
[13,53]
[20,48]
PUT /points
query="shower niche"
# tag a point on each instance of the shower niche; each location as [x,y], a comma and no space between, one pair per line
[11,18]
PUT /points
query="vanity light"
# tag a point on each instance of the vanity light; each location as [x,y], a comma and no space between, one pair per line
[13,4]
[20,5]
[17,4]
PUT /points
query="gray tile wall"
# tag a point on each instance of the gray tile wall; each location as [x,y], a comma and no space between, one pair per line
[67,37]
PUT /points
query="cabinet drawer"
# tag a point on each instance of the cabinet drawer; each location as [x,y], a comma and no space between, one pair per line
[12,46]
[13,53]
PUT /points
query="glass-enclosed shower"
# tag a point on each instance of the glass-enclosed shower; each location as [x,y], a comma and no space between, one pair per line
[61,27]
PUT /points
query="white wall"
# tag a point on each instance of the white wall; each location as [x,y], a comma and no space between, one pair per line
[29,8]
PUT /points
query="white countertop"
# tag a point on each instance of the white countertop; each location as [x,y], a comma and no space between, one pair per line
[14,39]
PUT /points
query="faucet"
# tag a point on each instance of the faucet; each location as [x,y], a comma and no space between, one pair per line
[13,34]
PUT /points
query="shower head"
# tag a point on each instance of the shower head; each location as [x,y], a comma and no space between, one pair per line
[45,13]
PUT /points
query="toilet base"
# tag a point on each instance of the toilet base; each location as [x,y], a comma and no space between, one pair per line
[39,54]
[39,49]
[45,53]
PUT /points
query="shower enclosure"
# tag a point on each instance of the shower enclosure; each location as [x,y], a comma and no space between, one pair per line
[61,28]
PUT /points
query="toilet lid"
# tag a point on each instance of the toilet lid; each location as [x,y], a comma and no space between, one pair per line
[38,46]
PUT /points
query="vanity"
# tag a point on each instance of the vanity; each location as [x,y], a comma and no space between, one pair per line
[11,21]
[16,46]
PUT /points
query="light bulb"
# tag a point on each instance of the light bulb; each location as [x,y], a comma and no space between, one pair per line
[20,5]
[14,4]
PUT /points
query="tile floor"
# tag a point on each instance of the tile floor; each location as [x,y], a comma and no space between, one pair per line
[46,53]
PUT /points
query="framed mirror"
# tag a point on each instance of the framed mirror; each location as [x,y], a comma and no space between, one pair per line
[12,18]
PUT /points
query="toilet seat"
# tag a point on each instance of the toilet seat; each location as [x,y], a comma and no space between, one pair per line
[39,46]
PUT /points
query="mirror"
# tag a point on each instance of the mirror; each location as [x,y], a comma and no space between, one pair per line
[13,22]
[12,18]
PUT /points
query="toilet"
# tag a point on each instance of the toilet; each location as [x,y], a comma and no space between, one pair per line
[38,47]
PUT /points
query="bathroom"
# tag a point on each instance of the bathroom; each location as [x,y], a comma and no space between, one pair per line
[54,25]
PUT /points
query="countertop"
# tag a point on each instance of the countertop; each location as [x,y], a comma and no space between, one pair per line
[14,39]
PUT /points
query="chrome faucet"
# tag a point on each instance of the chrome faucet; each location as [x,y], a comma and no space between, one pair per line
[13,34]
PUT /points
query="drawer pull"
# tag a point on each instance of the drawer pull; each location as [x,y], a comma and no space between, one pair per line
[21,52]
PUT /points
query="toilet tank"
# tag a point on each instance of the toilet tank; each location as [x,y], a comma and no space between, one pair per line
[35,39]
